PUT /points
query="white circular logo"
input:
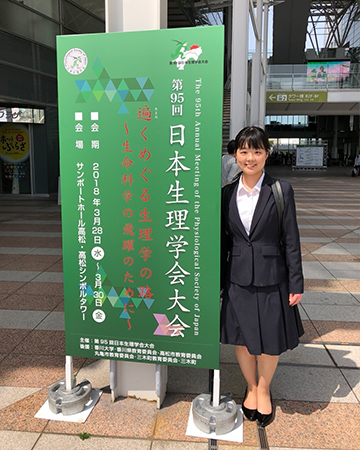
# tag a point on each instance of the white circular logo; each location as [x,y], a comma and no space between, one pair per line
[98,315]
[97,253]
[75,61]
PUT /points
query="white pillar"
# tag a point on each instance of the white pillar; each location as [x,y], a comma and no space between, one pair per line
[256,68]
[146,381]
[239,66]
[262,110]
[135,15]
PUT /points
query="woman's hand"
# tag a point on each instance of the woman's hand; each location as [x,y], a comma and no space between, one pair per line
[294,299]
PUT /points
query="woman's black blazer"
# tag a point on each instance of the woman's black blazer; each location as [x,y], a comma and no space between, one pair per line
[258,259]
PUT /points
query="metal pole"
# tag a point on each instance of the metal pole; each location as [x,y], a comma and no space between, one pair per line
[113,378]
[69,373]
[216,389]
[239,66]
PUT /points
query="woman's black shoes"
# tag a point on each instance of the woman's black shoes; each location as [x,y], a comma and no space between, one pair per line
[250,414]
[265,419]
[253,414]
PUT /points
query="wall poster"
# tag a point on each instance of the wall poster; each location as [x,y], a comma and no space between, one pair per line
[140,118]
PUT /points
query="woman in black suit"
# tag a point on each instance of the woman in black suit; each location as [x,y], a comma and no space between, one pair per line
[262,276]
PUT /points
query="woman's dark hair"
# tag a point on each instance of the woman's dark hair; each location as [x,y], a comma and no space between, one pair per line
[254,137]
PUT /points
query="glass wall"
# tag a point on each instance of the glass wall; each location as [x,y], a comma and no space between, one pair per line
[28,90]
[296,77]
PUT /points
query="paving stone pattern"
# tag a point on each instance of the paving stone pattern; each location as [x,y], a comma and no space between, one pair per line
[316,388]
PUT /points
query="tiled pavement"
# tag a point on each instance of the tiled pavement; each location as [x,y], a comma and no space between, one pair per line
[316,387]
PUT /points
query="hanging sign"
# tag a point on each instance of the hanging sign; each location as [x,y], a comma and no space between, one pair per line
[140,153]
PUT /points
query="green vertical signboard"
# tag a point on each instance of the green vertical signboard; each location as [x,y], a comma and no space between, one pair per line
[140,145]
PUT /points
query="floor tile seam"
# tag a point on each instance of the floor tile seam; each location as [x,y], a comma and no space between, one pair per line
[317,366]
[29,222]
[337,343]
[22,340]
[32,280]
[299,208]
[37,324]
[301,365]
[347,322]
[354,264]
[31,234]
[349,257]
[345,228]
[30,272]
[332,218]
[34,251]
[348,383]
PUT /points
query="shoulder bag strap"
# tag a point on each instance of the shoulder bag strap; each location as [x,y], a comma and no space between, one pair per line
[279,201]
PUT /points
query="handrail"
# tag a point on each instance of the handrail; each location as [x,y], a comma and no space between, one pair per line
[294,78]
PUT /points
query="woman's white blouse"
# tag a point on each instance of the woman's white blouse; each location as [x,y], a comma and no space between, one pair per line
[247,201]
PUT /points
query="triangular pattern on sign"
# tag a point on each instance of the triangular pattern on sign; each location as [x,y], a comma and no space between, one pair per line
[113,301]
[79,83]
[132,83]
[124,300]
[98,86]
[106,282]
[86,95]
[86,87]
[142,291]
[81,98]
[124,315]
[161,319]
[117,98]
[142,81]
[136,93]
[92,83]
[104,75]
[97,67]
[110,86]
[112,293]
[148,93]
[110,94]
[118,304]
[98,95]
[148,84]
[116,82]
[123,93]
[88,290]
[159,331]
[123,86]
[148,302]
[129,97]
[123,109]
[104,82]
[142,97]
[125,293]
[142,305]
[136,301]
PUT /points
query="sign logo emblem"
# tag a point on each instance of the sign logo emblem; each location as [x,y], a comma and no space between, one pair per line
[184,55]
[75,61]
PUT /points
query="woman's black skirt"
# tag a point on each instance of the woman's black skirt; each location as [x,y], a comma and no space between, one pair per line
[260,319]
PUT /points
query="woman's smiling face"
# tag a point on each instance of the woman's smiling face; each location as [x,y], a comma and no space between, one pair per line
[251,161]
